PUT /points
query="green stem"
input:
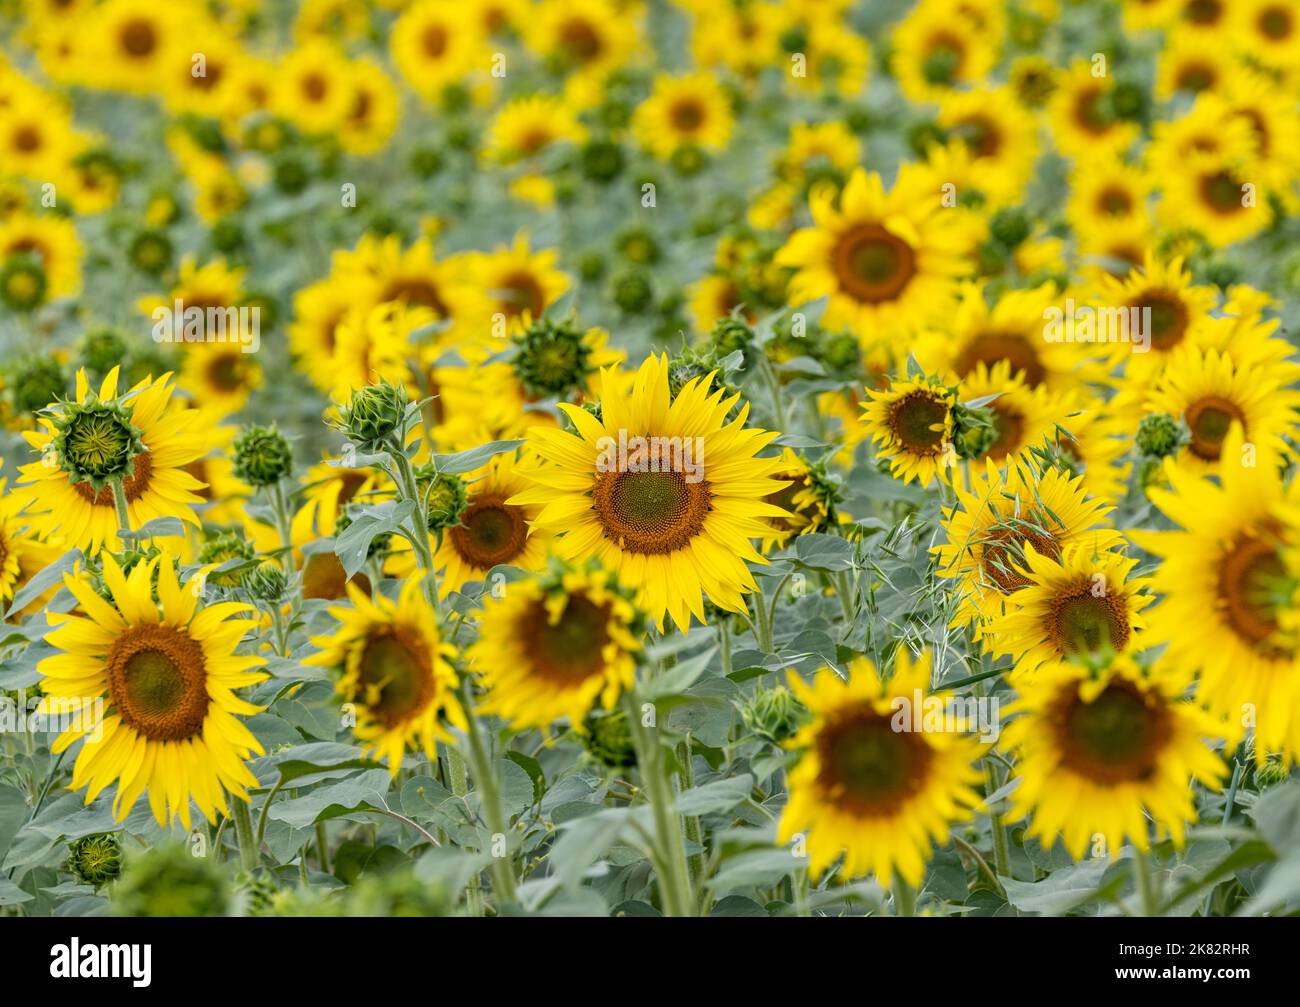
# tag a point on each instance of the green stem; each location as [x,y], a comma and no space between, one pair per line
[724,644]
[322,847]
[694,834]
[904,898]
[762,628]
[248,855]
[1145,886]
[1238,769]
[503,878]
[458,779]
[282,524]
[119,505]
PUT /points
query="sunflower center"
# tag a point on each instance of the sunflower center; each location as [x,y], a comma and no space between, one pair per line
[1115,201]
[1089,111]
[867,766]
[1168,318]
[414,290]
[872,264]
[1275,23]
[1010,426]
[157,680]
[98,443]
[687,115]
[27,139]
[1083,623]
[314,87]
[991,348]
[580,40]
[395,676]
[943,58]
[1209,419]
[133,485]
[981,136]
[434,41]
[139,39]
[490,533]
[571,648]
[919,420]
[1196,77]
[1250,574]
[1114,739]
[226,371]
[1003,550]
[1221,192]
[650,512]
[521,292]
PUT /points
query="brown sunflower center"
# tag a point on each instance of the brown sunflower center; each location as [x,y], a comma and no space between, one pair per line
[157,680]
[395,675]
[491,532]
[1081,622]
[1116,738]
[867,767]
[650,512]
[314,87]
[981,135]
[872,264]
[135,484]
[27,139]
[1209,419]
[1002,550]
[991,348]
[1250,573]
[687,115]
[1115,201]
[918,420]
[1168,317]
[416,290]
[226,371]
[1195,77]
[434,41]
[1276,23]
[1010,426]
[580,40]
[139,38]
[521,292]
[1089,111]
[1222,193]
[570,648]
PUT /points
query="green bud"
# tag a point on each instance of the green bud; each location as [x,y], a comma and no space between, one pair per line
[290,174]
[731,333]
[774,714]
[101,350]
[150,252]
[607,738]
[22,283]
[688,160]
[267,583]
[95,860]
[1159,434]
[551,358]
[445,497]
[167,880]
[632,290]
[638,245]
[95,441]
[375,415]
[602,160]
[34,382]
[222,549]
[262,456]
[1010,227]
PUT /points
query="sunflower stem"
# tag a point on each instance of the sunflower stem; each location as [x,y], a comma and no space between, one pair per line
[762,627]
[282,523]
[674,874]
[419,536]
[724,644]
[1238,769]
[119,505]
[322,848]
[1145,885]
[248,856]
[503,878]
[458,782]
[774,386]
[693,832]
[904,898]
[993,781]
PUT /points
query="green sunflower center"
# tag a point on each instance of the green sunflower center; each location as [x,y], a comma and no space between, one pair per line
[873,265]
[1116,738]
[1275,23]
[396,676]
[571,648]
[1252,576]
[867,766]
[943,59]
[650,512]
[919,421]
[490,533]
[1084,623]
[1209,420]
[157,680]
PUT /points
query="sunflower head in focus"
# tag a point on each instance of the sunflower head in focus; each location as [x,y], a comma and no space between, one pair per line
[555,647]
[660,488]
[913,423]
[394,670]
[1109,754]
[167,672]
[869,788]
[810,500]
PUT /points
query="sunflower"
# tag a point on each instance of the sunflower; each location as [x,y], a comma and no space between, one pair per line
[1106,192]
[1192,63]
[690,110]
[836,58]
[318,308]
[1269,30]
[817,150]
[373,344]
[554,648]
[1210,393]
[36,134]
[528,126]
[810,500]
[312,87]
[372,115]
[1255,98]
[167,673]
[133,42]
[1140,15]
[327,491]
[1001,137]
[937,51]
[65,492]
[22,554]
[992,523]
[200,87]
[591,37]
[1077,607]
[886,260]
[1219,575]
[743,37]
[1105,753]
[220,376]
[434,45]
[913,423]
[394,670]
[675,514]
[1210,129]
[867,791]
[1081,122]
[49,242]
[521,282]
[491,532]
[1215,197]
[1023,417]
[215,284]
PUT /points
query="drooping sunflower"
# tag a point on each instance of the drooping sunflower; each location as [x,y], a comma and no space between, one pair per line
[1108,754]
[866,790]
[395,670]
[690,110]
[886,260]
[167,672]
[913,423]
[555,647]
[995,519]
[491,532]
[1220,572]
[675,524]
[1075,607]
[144,438]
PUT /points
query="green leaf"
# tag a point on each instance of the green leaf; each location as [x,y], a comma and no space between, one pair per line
[824,552]
[679,677]
[534,770]
[1057,893]
[474,458]
[333,800]
[45,579]
[383,519]
[715,797]
[11,894]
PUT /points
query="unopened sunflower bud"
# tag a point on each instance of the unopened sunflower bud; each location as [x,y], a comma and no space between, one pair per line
[1159,435]
[262,456]
[374,414]
[95,860]
[101,350]
[551,358]
[774,714]
[974,431]
[95,441]
[445,499]
[730,334]
[607,738]
[222,549]
[34,382]
[267,583]
[168,880]
[22,283]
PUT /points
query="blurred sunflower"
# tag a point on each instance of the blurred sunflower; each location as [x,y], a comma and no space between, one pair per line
[691,110]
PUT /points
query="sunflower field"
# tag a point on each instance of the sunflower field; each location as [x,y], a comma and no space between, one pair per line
[649,458]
